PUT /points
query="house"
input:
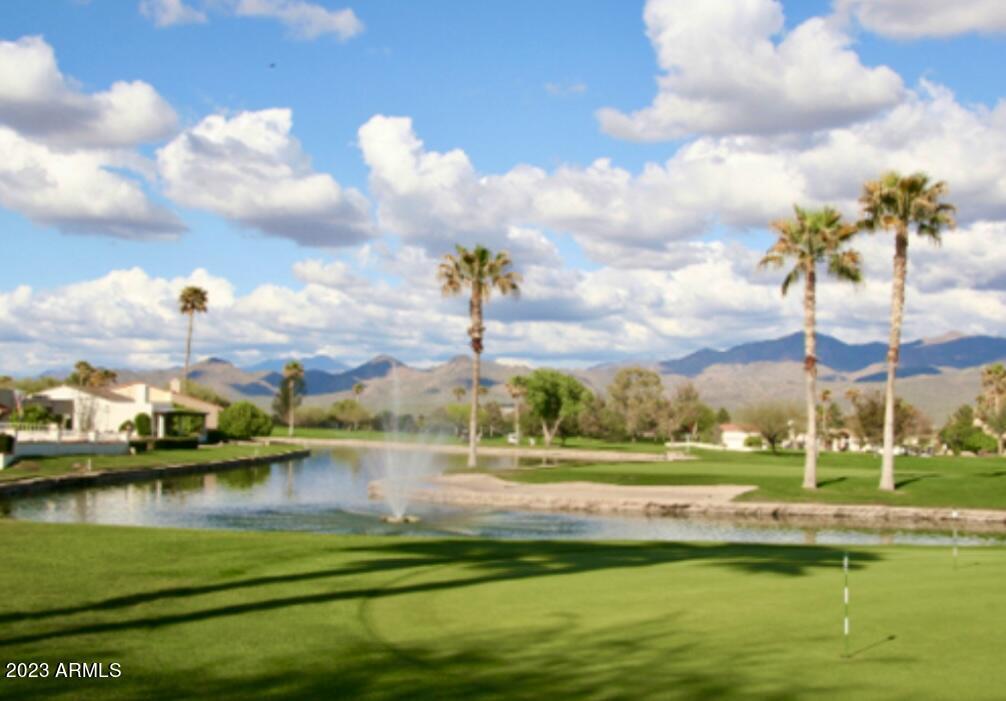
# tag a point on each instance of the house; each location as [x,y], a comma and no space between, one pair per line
[734,436]
[107,409]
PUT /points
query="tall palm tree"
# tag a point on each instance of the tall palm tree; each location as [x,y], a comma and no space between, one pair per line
[358,389]
[825,428]
[480,271]
[459,393]
[190,301]
[516,387]
[293,376]
[814,236]
[897,202]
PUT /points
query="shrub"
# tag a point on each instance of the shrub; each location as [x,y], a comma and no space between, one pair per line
[753,442]
[143,424]
[175,444]
[127,425]
[139,446]
[215,436]
[244,420]
[6,443]
[34,414]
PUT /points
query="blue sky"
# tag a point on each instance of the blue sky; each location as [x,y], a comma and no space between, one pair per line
[510,85]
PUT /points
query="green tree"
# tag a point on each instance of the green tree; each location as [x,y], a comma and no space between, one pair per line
[243,420]
[773,420]
[811,238]
[358,390]
[992,402]
[289,394]
[897,203]
[961,434]
[191,301]
[688,414]
[492,418]
[722,415]
[637,395]
[86,375]
[349,412]
[553,398]
[597,419]
[867,419]
[479,271]
[459,393]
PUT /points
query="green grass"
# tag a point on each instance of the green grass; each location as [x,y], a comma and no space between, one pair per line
[497,441]
[843,477]
[66,464]
[228,616]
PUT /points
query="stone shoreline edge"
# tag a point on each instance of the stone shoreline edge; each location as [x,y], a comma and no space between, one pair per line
[37,485]
[794,514]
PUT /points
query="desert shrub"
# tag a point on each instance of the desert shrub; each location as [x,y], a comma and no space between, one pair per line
[243,420]
[143,424]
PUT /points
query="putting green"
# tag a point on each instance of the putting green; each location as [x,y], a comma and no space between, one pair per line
[223,615]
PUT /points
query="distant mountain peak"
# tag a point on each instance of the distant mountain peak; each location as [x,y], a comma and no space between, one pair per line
[383,359]
[943,338]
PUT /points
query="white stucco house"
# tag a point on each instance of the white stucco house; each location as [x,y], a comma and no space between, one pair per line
[734,435]
[105,410]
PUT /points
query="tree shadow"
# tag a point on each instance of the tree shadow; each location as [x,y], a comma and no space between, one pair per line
[650,659]
[477,561]
[911,479]
[833,480]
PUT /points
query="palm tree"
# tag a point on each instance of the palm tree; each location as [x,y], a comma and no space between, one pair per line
[293,376]
[358,389]
[896,202]
[191,300]
[481,271]
[516,387]
[825,428]
[459,393]
[814,236]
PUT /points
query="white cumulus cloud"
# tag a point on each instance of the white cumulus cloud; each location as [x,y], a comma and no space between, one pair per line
[730,68]
[249,169]
[168,13]
[913,19]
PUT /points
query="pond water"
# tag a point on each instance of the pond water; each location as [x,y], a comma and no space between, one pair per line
[327,493]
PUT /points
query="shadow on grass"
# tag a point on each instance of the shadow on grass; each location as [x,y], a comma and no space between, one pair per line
[477,561]
[648,659]
[829,482]
[911,479]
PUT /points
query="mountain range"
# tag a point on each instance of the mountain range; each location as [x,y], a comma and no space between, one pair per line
[936,374]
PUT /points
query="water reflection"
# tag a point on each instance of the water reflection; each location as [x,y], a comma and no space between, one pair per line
[327,493]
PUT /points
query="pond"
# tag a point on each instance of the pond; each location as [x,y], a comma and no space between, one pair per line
[327,493]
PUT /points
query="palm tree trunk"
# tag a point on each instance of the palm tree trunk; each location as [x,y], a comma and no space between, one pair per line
[290,416]
[893,351]
[516,421]
[810,371]
[188,352]
[476,334]
[473,420]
